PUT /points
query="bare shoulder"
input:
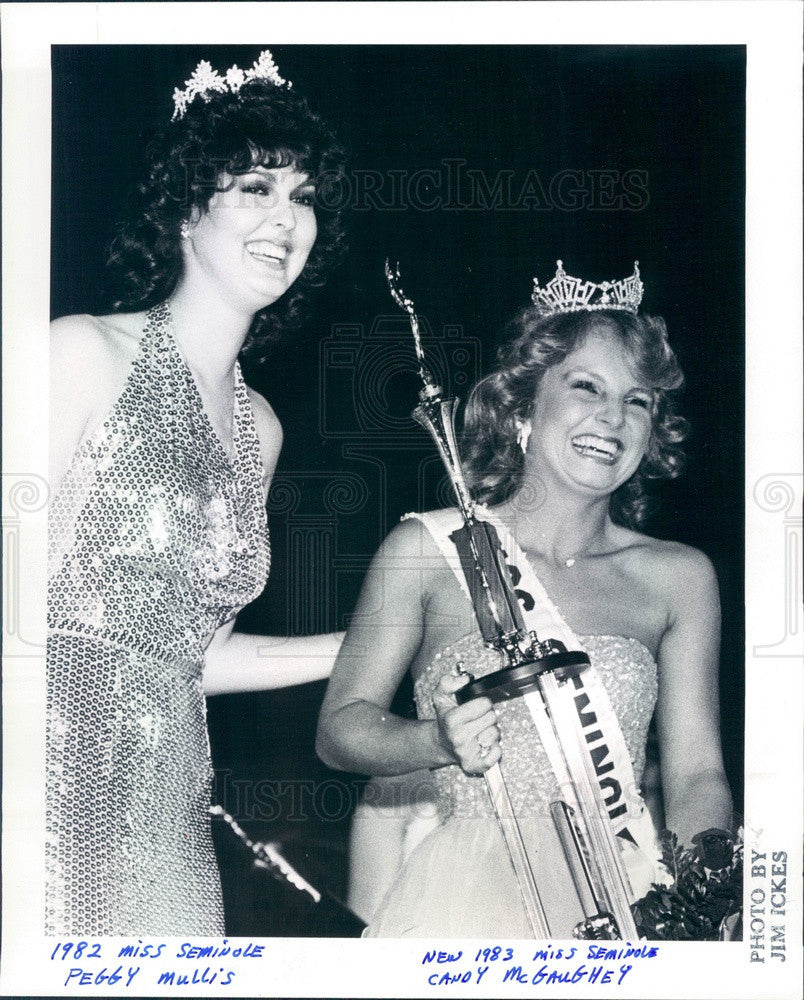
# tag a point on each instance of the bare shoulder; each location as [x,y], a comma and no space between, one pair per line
[103,346]
[409,539]
[674,557]
[406,567]
[680,572]
[269,431]
[114,332]
[413,537]
[90,358]
[410,550]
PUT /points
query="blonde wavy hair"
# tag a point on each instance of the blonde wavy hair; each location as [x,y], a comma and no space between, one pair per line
[492,458]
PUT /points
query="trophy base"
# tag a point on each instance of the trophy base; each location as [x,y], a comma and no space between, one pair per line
[521,678]
[601,927]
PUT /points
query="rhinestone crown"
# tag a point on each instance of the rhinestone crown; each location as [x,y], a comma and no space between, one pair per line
[567,294]
[206,80]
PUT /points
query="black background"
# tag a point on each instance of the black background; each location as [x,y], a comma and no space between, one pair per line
[344,387]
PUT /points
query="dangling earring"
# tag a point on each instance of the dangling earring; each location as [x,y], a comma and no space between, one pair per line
[523,435]
[184,230]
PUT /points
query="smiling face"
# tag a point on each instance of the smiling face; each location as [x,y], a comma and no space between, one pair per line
[253,240]
[591,419]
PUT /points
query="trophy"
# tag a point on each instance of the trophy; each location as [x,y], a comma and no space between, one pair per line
[530,665]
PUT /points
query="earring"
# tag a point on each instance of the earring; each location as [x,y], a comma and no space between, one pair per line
[184,230]
[523,434]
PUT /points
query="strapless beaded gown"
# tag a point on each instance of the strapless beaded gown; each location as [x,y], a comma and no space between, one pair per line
[459,881]
[157,537]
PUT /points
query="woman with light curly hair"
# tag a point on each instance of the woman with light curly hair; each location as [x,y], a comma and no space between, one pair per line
[161,458]
[559,444]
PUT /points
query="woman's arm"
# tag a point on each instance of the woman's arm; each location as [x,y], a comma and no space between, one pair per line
[236,662]
[356,731]
[696,794]
[269,434]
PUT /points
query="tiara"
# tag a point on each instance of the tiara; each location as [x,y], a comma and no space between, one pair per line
[206,80]
[565,294]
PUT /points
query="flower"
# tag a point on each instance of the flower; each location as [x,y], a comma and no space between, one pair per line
[715,848]
[704,903]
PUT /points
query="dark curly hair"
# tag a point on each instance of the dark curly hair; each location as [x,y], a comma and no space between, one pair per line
[261,125]
[493,460]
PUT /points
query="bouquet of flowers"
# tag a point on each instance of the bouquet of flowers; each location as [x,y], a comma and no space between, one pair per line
[705,900]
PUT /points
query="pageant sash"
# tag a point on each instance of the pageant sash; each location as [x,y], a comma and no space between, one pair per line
[604,739]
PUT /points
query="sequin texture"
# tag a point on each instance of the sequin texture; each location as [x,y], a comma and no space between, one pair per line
[156,539]
[629,675]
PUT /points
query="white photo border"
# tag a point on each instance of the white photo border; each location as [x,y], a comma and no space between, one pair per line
[294,967]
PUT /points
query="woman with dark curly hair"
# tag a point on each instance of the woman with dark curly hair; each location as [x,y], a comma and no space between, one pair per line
[161,461]
[558,443]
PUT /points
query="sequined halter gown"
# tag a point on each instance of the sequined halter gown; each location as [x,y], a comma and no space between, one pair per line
[157,537]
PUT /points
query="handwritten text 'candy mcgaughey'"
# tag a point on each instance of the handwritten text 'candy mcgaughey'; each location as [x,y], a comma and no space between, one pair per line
[506,967]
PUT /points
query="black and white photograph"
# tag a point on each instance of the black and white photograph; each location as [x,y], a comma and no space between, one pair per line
[392,511]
